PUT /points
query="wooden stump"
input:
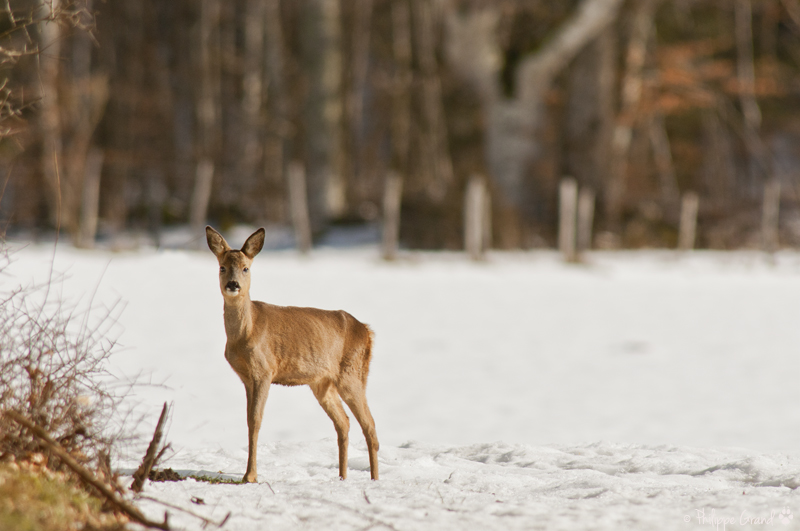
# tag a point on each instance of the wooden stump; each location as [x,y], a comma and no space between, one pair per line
[585,219]
[770,216]
[298,204]
[568,206]
[688,224]
[392,199]
[475,218]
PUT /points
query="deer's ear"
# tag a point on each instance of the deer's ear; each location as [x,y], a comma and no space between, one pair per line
[254,244]
[216,242]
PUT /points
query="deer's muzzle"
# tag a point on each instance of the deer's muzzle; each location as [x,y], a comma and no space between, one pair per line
[232,287]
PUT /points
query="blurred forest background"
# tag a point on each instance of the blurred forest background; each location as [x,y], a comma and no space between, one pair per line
[139,115]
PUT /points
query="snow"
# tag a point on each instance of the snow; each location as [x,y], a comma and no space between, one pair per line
[630,392]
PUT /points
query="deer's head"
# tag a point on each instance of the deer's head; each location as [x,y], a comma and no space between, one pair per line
[234,264]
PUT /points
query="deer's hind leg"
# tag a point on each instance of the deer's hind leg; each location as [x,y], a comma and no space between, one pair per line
[352,391]
[329,400]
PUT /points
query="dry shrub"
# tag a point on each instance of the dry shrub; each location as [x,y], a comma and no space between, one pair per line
[53,370]
[37,499]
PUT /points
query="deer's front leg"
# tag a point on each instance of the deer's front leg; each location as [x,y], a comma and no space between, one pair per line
[257,392]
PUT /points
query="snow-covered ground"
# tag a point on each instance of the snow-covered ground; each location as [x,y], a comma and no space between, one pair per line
[637,391]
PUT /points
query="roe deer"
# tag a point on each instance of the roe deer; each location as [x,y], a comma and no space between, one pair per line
[329,351]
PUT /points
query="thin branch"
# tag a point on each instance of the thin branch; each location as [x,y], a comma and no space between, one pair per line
[140,476]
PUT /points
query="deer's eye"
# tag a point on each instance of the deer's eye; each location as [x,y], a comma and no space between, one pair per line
[221,269]
[246,269]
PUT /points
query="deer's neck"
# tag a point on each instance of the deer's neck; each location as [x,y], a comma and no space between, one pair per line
[238,317]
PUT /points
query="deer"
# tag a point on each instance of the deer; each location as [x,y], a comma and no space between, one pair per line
[329,351]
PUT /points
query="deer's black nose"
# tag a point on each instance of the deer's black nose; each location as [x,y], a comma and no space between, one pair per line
[232,286]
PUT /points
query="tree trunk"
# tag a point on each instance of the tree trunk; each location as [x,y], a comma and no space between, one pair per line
[62,198]
[252,90]
[514,126]
[746,77]
[662,154]
[629,109]
[207,112]
[401,86]
[322,54]
[278,126]
[90,204]
[589,119]
[359,67]
[435,150]
[201,196]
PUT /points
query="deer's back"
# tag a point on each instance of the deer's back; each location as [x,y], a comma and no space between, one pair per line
[306,345]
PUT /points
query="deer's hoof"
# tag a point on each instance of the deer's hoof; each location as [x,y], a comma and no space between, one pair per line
[250,478]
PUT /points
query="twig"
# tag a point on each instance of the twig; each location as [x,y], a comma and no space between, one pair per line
[85,475]
[142,473]
[187,511]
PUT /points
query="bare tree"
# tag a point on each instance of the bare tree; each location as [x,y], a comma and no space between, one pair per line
[513,128]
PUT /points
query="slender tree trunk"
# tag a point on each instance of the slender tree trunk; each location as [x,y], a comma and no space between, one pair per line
[435,149]
[641,32]
[90,204]
[359,61]
[401,87]
[662,154]
[62,200]
[275,140]
[589,119]
[745,72]
[201,195]
[322,54]
[207,112]
[252,90]
[127,59]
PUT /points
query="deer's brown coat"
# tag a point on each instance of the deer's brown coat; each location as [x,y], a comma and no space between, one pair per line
[329,351]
